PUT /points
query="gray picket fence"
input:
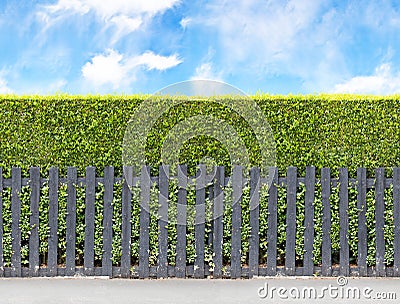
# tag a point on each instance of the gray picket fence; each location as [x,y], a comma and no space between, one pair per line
[200,269]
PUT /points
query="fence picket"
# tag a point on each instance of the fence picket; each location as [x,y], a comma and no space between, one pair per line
[272,232]
[218,230]
[237,185]
[181,223]
[396,213]
[34,222]
[1,225]
[362,220]
[326,267]
[199,229]
[344,222]
[254,239]
[90,197]
[53,222]
[15,225]
[309,221]
[209,213]
[162,263]
[107,221]
[126,224]
[71,221]
[380,221]
[290,258]
[145,184]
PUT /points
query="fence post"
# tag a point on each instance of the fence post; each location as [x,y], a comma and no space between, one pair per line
[71,221]
[181,223]
[380,221]
[326,268]
[163,179]
[15,225]
[309,221]
[53,222]
[272,232]
[290,260]
[34,222]
[362,221]
[254,239]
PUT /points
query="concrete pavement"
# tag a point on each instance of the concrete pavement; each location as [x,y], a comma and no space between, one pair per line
[259,290]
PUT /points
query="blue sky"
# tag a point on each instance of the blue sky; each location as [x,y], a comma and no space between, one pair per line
[141,46]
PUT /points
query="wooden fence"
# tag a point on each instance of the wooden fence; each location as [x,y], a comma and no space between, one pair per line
[200,269]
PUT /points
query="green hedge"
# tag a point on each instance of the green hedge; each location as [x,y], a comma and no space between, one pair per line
[322,130]
[325,131]
[335,130]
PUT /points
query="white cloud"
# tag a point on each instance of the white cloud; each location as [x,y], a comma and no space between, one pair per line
[112,68]
[185,22]
[252,30]
[107,9]
[126,16]
[206,71]
[4,89]
[152,61]
[123,26]
[380,16]
[43,87]
[269,38]
[307,40]
[66,5]
[382,82]
[57,85]
[106,69]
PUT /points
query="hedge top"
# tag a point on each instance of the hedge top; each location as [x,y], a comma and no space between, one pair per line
[340,130]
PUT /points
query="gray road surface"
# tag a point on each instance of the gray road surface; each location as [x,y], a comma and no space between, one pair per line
[260,290]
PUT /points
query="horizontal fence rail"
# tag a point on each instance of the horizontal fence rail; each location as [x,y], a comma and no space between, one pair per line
[211,225]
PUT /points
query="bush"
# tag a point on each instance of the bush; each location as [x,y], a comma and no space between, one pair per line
[322,130]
